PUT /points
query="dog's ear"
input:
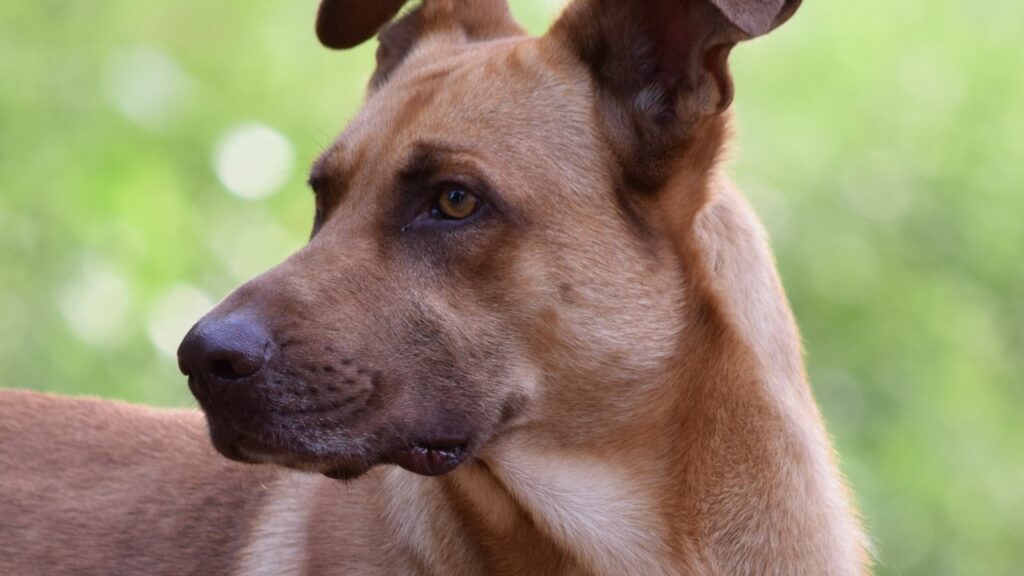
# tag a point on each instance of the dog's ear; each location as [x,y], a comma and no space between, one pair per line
[348,23]
[661,66]
[342,24]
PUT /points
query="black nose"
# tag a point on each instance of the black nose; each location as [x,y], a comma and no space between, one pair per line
[222,350]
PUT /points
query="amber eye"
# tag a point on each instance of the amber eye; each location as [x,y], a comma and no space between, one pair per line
[454,203]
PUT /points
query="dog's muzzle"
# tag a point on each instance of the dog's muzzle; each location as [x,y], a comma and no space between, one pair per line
[263,408]
[225,360]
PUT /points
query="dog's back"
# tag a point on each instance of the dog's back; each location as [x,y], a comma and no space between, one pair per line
[94,487]
[87,490]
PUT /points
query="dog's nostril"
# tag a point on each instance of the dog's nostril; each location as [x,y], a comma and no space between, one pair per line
[222,369]
[233,369]
[241,361]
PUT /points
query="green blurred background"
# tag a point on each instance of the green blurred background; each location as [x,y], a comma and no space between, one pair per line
[152,157]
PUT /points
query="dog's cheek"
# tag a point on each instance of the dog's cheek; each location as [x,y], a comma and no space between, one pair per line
[607,306]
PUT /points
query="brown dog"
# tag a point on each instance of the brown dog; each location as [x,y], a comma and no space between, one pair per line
[530,287]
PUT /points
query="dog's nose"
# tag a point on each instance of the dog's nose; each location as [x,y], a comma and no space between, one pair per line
[224,350]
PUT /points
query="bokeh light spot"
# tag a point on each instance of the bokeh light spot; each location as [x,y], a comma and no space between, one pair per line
[253,161]
[96,304]
[147,86]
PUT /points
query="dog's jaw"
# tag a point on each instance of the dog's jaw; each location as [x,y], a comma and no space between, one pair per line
[350,460]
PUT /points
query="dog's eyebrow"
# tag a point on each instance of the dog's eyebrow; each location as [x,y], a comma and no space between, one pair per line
[329,173]
[317,180]
[318,172]
[425,161]
[429,158]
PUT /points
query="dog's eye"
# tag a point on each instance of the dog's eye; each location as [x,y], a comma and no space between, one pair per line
[455,203]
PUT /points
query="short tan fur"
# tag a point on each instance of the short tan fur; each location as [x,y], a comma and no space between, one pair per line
[595,372]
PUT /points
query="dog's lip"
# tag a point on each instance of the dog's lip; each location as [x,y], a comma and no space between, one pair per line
[435,457]
[418,459]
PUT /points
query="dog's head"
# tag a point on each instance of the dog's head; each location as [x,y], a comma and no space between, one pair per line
[496,242]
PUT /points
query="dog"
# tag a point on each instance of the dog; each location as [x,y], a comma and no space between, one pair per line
[536,330]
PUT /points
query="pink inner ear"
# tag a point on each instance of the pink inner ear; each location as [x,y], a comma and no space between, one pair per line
[754,17]
[684,32]
[692,39]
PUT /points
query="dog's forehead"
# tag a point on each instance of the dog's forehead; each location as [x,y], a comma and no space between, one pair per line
[487,96]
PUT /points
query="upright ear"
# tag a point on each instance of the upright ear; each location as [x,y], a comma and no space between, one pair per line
[661,66]
[347,23]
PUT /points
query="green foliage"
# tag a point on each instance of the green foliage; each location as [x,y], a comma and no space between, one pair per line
[883,148]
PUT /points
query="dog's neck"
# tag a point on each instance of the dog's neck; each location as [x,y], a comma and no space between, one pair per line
[731,473]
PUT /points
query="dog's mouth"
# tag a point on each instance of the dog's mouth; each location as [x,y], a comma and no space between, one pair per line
[436,457]
[433,457]
[246,427]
